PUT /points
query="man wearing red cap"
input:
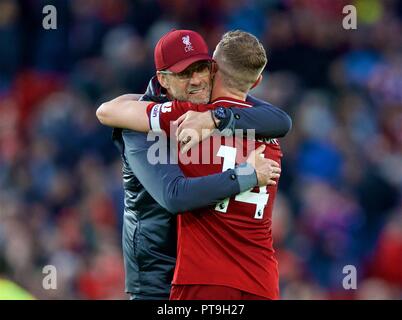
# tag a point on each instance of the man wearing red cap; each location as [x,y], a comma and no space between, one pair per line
[184,71]
[183,53]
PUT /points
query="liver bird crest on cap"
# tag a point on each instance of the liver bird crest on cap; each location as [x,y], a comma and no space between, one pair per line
[186,41]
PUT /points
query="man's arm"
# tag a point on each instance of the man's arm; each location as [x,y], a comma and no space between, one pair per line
[125,112]
[267,120]
[167,184]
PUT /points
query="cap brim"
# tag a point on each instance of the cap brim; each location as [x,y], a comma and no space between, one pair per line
[182,65]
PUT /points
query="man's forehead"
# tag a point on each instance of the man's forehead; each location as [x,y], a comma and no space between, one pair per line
[195,64]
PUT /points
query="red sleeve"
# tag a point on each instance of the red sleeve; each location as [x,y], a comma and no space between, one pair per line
[206,107]
[160,115]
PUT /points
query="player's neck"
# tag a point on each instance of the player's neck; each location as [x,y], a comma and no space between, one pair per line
[219,90]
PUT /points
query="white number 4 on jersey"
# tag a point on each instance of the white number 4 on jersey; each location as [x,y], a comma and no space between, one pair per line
[259,199]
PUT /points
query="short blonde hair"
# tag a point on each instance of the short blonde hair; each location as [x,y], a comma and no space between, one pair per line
[241,58]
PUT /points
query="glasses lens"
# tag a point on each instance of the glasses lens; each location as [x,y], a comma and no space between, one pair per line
[203,66]
[199,67]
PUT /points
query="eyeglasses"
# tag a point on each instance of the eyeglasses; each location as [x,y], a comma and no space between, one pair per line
[202,68]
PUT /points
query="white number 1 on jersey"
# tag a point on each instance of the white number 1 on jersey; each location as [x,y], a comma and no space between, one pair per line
[259,199]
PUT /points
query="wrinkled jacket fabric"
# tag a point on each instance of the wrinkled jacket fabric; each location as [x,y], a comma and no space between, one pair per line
[149,232]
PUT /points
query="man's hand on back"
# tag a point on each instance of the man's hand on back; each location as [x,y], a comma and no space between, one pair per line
[193,127]
[267,170]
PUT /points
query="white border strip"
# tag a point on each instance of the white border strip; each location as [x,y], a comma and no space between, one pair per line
[155,118]
[232,102]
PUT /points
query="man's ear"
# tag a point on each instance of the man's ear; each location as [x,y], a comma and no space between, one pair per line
[162,80]
[257,82]
[214,68]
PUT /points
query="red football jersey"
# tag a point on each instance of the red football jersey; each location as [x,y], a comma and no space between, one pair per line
[228,244]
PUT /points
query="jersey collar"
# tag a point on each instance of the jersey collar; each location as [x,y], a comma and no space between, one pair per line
[227,101]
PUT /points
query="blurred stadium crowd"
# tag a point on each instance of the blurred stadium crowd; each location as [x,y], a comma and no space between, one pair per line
[61,198]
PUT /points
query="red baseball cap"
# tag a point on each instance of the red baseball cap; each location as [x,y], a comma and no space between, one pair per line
[178,49]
